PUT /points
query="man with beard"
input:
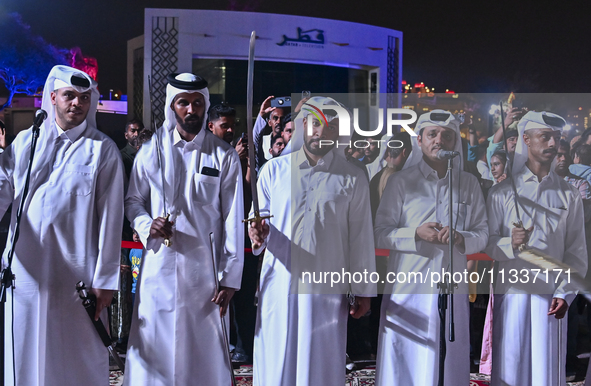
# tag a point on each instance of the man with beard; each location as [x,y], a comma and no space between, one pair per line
[321,223]
[133,129]
[70,230]
[267,124]
[176,335]
[529,344]
[413,222]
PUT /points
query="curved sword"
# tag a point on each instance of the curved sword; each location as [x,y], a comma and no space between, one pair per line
[226,342]
[166,215]
[251,148]
[509,166]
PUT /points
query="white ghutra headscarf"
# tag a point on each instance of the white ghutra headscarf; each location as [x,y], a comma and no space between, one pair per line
[183,83]
[534,120]
[435,118]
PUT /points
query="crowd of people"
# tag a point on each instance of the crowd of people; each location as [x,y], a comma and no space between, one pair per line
[185,189]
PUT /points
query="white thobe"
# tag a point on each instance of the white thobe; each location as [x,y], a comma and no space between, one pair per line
[525,339]
[408,347]
[70,231]
[322,220]
[484,170]
[176,336]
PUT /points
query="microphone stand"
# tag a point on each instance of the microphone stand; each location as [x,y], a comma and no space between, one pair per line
[7,279]
[447,289]
[7,276]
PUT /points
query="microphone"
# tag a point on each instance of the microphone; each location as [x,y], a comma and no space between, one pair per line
[40,116]
[446,154]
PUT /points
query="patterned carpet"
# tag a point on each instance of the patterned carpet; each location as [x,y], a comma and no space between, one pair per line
[355,378]
[244,378]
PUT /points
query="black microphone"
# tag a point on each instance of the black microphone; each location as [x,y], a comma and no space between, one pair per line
[40,116]
[446,154]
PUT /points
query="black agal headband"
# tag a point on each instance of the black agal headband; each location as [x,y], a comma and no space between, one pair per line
[198,84]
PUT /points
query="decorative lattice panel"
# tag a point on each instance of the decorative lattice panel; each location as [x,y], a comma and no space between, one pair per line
[165,41]
[138,83]
[393,83]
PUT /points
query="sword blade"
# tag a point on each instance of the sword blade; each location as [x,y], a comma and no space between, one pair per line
[509,164]
[161,167]
[116,358]
[249,124]
[157,144]
[226,342]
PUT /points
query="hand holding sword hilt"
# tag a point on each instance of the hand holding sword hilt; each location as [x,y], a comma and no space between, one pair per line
[519,224]
[167,241]
[258,230]
[257,217]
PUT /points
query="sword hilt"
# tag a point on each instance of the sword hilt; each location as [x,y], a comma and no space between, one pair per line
[257,217]
[167,242]
[519,224]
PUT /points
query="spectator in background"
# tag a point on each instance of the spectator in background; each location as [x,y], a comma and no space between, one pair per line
[496,142]
[395,158]
[286,128]
[268,123]
[582,162]
[477,153]
[222,122]
[371,154]
[133,129]
[353,152]
[498,161]
[563,169]
[277,145]
[583,139]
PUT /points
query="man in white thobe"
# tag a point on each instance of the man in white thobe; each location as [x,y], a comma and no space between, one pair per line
[529,345]
[70,231]
[412,221]
[322,223]
[176,334]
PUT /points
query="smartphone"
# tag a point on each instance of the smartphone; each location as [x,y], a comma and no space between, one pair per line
[281,102]
[517,104]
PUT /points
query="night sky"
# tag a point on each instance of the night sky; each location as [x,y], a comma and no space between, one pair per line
[470,46]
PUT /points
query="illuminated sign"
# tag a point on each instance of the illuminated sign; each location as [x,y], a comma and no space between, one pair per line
[313,38]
